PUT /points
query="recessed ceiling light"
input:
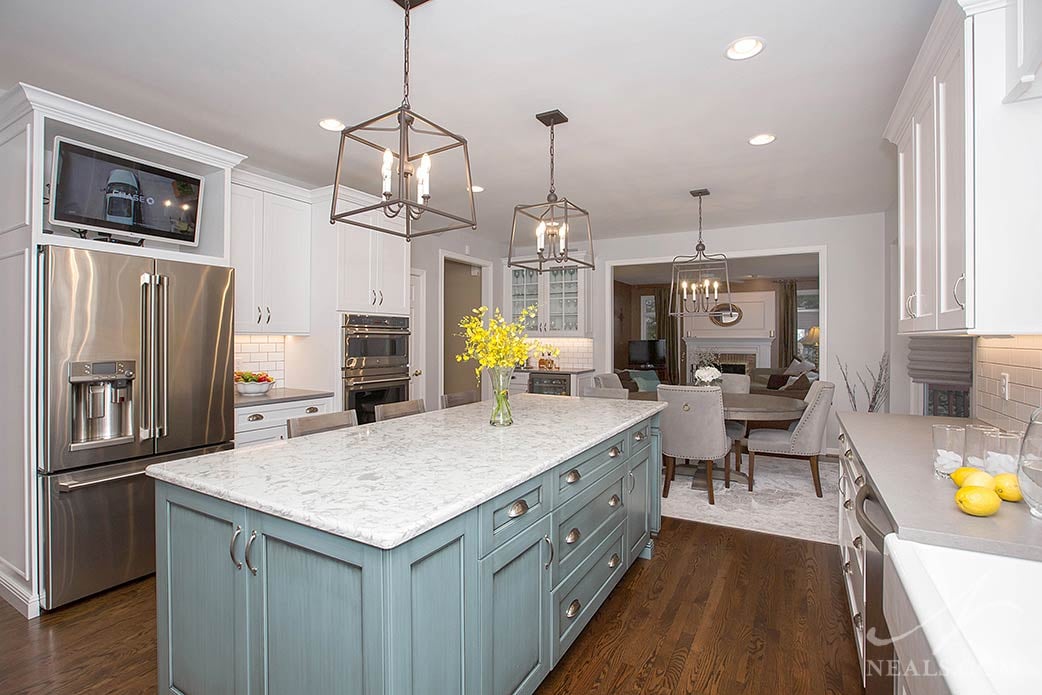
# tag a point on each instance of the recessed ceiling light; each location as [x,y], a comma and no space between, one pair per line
[745,47]
[331,124]
[477,189]
[761,139]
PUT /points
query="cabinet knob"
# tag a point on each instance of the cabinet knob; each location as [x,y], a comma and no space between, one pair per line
[858,543]
[842,438]
[614,501]
[859,622]
[848,504]
[639,436]
[311,409]
[256,417]
[848,455]
[573,476]
[518,508]
[847,569]
[859,481]
[614,561]
[614,452]
[573,536]
[573,609]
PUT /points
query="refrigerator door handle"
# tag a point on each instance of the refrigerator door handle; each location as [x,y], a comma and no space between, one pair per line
[163,356]
[145,408]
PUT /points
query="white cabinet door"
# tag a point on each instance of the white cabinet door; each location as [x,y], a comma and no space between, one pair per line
[247,213]
[906,232]
[954,226]
[1023,49]
[391,262]
[355,284]
[522,291]
[924,171]
[286,265]
[564,308]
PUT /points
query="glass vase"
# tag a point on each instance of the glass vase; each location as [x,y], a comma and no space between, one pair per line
[500,377]
[1029,469]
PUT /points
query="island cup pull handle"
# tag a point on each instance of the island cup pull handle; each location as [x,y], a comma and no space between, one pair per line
[246,555]
[614,561]
[256,417]
[614,501]
[614,452]
[551,560]
[573,476]
[573,536]
[231,547]
[518,508]
[311,409]
[639,436]
[573,609]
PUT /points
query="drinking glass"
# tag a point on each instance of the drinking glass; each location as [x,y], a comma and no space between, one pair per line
[949,442]
[1029,471]
[975,444]
[1001,451]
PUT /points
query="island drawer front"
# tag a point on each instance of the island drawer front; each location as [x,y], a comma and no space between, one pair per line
[508,514]
[639,437]
[576,601]
[579,474]
[580,524]
[264,416]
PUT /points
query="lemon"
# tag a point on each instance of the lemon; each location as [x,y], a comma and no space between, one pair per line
[1008,487]
[959,475]
[979,479]
[977,501]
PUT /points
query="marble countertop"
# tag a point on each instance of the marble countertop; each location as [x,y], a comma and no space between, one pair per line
[896,451]
[279,396]
[386,483]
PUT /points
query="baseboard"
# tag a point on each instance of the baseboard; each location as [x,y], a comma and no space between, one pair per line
[25,603]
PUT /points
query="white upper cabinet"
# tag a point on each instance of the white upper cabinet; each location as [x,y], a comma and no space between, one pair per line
[271,254]
[968,182]
[373,271]
[1023,50]
[558,293]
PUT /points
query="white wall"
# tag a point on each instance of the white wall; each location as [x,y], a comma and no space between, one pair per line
[853,286]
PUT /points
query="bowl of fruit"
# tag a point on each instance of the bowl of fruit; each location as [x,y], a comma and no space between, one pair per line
[253,383]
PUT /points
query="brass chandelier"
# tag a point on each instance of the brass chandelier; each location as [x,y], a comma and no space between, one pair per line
[701,284]
[405,145]
[552,224]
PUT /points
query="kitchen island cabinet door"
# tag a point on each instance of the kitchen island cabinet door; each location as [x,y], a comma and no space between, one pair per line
[316,624]
[637,503]
[201,593]
[514,584]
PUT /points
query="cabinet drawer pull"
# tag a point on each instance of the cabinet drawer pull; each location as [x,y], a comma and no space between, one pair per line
[573,476]
[614,501]
[639,437]
[955,291]
[847,569]
[246,554]
[231,547]
[518,508]
[859,481]
[614,560]
[311,409]
[551,560]
[614,452]
[256,417]
[573,536]
[848,504]
[633,481]
[573,609]
[859,622]
[848,454]
[858,543]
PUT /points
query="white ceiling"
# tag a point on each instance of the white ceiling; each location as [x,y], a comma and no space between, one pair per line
[655,107]
[796,265]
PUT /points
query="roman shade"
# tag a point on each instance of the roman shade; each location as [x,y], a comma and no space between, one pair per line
[941,360]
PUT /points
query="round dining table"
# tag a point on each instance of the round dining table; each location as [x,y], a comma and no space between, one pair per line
[757,407]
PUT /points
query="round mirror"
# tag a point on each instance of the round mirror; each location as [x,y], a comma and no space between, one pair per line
[727,315]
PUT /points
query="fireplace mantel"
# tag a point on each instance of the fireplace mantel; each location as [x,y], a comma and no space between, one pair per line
[760,347]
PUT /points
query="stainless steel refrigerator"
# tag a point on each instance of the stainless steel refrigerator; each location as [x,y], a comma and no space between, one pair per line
[136,367]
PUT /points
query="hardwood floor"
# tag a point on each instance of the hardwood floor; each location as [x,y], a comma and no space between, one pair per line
[718,610]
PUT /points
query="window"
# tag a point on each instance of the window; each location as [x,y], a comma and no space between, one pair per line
[648,322]
[946,401]
[806,318]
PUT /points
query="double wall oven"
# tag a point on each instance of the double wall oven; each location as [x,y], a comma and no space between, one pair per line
[376,362]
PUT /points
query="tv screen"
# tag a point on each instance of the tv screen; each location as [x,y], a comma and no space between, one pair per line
[648,352]
[106,192]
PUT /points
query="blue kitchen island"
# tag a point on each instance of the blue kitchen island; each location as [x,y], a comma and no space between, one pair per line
[429,554]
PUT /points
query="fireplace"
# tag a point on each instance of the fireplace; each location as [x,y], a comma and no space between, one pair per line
[737,363]
[737,355]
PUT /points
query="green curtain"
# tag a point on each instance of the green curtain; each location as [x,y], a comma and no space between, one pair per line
[666,327]
[786,322]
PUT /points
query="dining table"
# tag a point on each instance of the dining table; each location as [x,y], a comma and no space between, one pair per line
[759,407]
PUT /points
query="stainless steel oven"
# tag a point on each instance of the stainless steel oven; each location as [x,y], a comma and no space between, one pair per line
[376,363]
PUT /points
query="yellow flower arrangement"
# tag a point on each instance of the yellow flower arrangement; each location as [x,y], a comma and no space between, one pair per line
[499,344]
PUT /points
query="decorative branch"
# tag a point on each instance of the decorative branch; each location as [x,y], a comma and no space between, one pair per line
[878,394]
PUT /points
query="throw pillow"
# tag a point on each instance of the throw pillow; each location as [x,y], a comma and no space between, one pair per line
[627,381]
[800,383]
[808,366]
[647,380]
[795,368]
[776,381]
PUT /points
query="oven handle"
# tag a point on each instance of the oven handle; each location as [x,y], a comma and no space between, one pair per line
[378,382]
[873,532]
[377,331]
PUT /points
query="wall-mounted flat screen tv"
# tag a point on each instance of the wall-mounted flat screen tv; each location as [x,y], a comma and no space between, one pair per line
[646,352]
[107,192]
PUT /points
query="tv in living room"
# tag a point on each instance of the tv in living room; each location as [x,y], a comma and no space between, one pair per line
[647,352]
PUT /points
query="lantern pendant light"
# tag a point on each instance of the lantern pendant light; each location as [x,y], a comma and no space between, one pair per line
[404,167]
[550,226]
[701,284]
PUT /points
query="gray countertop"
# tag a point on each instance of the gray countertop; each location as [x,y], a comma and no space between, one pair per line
[896,452]
[588,370]
[279,396]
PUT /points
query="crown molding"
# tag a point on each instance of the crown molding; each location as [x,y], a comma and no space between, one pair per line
[252,179]
[972,7]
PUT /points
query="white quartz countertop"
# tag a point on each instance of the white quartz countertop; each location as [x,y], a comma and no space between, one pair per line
[386,483]
[979,613]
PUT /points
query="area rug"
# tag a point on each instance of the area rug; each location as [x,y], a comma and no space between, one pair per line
[782,502]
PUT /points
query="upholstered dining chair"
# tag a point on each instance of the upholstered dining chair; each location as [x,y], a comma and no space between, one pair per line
[600,392]
[390,411]
[451,400]
[608,380]
[736,429]
[313,424]
[693,429]
[803,438]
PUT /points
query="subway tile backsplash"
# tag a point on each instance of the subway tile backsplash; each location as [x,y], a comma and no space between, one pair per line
[575,353]
[262,353]
[1021,358]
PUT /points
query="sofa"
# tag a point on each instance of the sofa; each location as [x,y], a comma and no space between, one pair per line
[641,385]
[793,381]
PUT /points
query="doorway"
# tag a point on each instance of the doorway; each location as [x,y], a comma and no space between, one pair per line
[418,335]
[466,283]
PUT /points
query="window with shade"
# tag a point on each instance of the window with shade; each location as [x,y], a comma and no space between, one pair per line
[943,366]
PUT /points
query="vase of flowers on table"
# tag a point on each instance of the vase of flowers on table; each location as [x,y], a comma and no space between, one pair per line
[707,376]
[498,347]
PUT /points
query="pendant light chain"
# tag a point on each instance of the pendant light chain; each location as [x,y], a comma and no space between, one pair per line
[553,188]
[405,81]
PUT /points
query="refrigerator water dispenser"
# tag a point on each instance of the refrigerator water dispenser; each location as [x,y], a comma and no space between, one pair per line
[102,403]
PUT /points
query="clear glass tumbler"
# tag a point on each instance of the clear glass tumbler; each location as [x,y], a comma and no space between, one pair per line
[949,443]
[975,444]
[1001,451]
[1029,471]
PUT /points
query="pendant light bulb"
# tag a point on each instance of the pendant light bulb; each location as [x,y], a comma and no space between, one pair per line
[387,170]
[540,236]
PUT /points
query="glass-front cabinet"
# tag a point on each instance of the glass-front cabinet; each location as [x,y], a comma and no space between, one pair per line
[560,295]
